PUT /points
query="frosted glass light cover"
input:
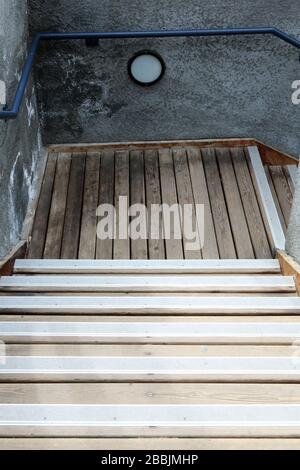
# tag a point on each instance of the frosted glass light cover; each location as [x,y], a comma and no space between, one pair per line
[146,68]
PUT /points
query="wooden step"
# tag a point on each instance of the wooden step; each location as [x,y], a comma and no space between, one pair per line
[174,284]
[148,443]
[150,350]
[224,266]
[151,305]
[142,332]
[150,420]
[154,393]
[164,368]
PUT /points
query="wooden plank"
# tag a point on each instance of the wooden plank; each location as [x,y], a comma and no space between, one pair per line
[133,305]
[7,263]
[267,202]
[185,198]
[283,191]
[150,393]
[270,155]
[88,235]
[58,206]
[290,267]
[149,443]
[104,248]
[234,205]
[39,230]
[252,212]
[200,192]
[218,205]
[235,266]
[149,350]
[175,284]
[138,145]
[121,245]
[174,248]
[139,248]
[71,233]
[140,332]
[205,318]
[150,420]
[156,246]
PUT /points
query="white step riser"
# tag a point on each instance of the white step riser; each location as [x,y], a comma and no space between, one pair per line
[293,171]
[164,332]
[151,305]
[148,284]
[147,267]
[266,198]
[150,415]
[152,420]
[229,368]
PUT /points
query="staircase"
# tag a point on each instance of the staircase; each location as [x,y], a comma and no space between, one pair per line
[149,354]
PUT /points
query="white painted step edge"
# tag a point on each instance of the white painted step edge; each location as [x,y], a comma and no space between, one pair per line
[266,199]
[151,304]
[149,330]
[154,283]
[150,415]
[293,171]
[119,366]
[236,266]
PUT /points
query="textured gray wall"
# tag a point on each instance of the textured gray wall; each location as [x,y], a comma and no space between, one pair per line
[213,88]
[293,235]
[19,148]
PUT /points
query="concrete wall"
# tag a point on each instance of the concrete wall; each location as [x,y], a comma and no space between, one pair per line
[19,144]
[213,88]
[293,234]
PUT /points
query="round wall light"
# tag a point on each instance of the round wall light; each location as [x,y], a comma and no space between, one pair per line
[146,68]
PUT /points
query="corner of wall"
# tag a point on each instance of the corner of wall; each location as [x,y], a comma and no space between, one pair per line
[20,141]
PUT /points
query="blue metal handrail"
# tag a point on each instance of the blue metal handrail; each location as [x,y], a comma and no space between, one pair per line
[49,36]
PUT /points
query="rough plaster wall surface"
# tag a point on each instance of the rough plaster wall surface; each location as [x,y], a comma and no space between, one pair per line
[293,234]
[213,87]
[19,142]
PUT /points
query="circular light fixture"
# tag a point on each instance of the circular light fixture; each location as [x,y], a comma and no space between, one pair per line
[146,68]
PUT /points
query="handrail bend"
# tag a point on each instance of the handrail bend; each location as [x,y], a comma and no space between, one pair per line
[12,113]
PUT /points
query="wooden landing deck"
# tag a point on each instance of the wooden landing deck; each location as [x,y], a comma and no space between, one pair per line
[76,183]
